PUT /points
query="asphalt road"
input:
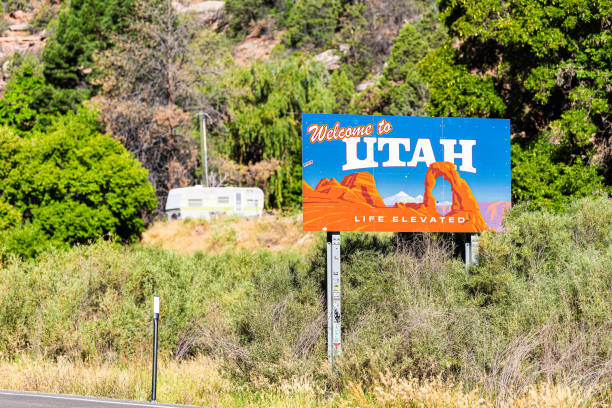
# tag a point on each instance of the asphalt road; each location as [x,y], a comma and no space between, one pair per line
[24,399]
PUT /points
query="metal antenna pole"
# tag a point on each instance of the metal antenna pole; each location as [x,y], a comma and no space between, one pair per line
[204,148]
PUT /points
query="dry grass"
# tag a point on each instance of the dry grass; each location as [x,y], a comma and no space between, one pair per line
[64,377]
[391,392]
[199,382]
[271,232]
[196,382]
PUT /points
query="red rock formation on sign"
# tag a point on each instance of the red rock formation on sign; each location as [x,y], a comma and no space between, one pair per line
[355,188]
[463,199]
[350,204]
[307,191]
[464,202]
[363,184]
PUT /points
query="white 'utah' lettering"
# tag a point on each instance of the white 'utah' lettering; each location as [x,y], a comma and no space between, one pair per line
[423,152]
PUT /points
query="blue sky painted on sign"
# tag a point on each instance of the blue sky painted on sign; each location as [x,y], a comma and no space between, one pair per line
[491,154]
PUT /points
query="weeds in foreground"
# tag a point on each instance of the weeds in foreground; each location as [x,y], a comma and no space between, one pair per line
[533,317]
[200,381]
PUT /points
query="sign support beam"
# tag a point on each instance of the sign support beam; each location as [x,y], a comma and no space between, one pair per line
[334,341]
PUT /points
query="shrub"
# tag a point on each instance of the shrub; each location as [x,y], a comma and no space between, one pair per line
[244,12]
[14,5]
[74,183]
[542,178]
[24,241]
[41,20]
[29,102]
[312,22]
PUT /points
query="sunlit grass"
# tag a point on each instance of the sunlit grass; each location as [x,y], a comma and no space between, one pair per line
[199,382]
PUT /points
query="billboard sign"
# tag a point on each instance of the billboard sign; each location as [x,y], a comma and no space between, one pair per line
[399,173]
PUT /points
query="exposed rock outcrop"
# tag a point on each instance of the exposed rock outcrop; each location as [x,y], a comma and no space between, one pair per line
[328,59]
[209,13]
[20,27]
[25,43]
[258,45]
[363,86]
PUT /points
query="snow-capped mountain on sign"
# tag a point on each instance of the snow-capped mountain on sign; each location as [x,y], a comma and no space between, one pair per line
[402,197]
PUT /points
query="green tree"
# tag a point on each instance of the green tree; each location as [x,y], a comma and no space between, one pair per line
[244,12]
[9,215]
[266,119]
[73,183]
[545,65]
[401,89]
[455,91]
[29,102]
[83,27]
[342,88]
[541,178]
[312,22]
[404,91]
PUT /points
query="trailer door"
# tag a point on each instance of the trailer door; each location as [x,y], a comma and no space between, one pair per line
[238,202]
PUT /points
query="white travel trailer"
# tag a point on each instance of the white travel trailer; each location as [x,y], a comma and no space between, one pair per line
[207,202]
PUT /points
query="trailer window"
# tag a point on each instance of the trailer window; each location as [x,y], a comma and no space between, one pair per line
[223,200]
[194,202]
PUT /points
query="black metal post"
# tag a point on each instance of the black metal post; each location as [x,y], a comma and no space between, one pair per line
[155,326]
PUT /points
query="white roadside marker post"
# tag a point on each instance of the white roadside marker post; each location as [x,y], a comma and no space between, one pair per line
[155,328]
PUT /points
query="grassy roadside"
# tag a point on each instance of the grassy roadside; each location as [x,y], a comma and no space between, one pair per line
[533,320]
[199,382]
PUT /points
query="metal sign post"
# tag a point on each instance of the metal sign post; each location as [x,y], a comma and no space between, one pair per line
[155,326]
[334,342]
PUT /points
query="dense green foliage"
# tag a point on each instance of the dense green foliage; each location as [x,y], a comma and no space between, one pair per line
[266,119]
[307,22]
[401,90]
[29,102]
[83,27]
[312,22]
[542,289]
[72,183]
[541,178]
[546,66]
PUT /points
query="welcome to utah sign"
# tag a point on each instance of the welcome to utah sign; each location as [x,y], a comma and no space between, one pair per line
[377,173]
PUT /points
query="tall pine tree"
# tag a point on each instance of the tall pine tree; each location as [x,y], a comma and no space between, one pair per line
[83,27]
